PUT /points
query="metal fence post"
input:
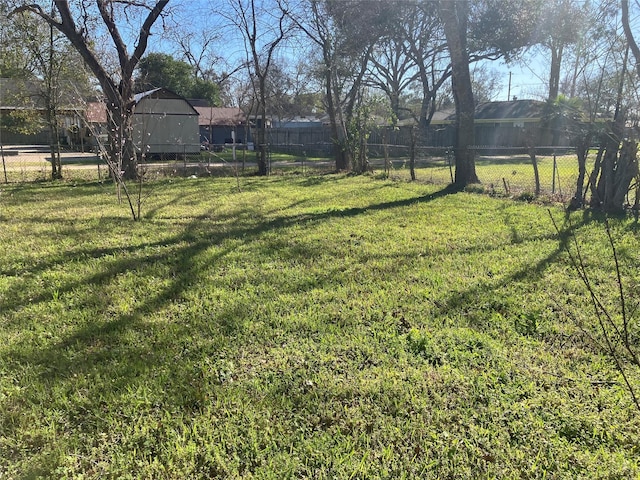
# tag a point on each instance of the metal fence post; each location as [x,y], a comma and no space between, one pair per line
[555,171]
[555,166]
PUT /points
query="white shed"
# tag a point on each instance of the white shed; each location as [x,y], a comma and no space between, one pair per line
[165,123]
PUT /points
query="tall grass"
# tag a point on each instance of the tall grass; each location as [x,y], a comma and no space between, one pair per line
[300,327]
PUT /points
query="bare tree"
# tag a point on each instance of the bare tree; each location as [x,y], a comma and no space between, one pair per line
[616,164]
[345,35]
[631,40]
[200,49]
[118,88]
[59,79]
[315,21]
[197,50]
[560,31]
[393,71]
[263,28]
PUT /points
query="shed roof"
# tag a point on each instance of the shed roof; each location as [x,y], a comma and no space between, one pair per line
[162,94]
[220,116]
[156,93]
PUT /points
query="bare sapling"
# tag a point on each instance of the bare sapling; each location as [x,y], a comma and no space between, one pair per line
[116,172]
[615,328]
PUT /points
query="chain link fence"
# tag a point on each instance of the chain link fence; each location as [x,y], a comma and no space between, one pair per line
[510,171]
[549,171]
[504,171]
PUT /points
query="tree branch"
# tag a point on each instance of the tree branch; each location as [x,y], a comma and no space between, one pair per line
[629,34]
[145,31]
[106,12]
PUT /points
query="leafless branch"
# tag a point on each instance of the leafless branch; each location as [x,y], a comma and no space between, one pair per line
[613,336]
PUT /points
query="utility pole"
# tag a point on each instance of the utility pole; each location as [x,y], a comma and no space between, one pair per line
[509,89]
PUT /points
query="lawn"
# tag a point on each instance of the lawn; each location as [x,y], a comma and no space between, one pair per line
[304,327]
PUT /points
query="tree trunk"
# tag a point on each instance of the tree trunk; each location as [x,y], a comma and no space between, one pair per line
[618,168]
[582,151]
[554,76]
[52,113]
[338,131]
[412,153]
[536,172]
[395,100]
[122,152]
[596,197]
[385,149]
[631,41]
[54,148]
[54,140]
[626,170]
[338,128]
[263,169]
[454,17]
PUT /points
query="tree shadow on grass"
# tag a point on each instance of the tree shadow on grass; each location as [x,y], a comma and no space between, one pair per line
[99,362]
[470,301]
[318,179]
[180,252]
[199,235]
[127,348]
[355,211]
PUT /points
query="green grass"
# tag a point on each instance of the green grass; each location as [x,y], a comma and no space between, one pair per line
[507,176]
[303,327]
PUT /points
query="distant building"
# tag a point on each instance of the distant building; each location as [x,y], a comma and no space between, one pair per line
[299,121]
[24,99]
[164,123]
[219,125]
[497,124]
[509,124]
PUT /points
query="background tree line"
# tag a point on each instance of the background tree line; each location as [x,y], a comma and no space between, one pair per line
[350,60]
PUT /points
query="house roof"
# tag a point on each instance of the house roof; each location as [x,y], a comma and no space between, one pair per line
[441,115]
[29,93]
[220,116]
[299,121]
[199,102]
[516,109]
[522,110]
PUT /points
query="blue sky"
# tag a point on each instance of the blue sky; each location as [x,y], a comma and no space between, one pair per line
[527,81]
[528,78]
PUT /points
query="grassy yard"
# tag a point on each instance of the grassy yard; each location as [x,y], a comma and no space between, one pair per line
[303,327]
